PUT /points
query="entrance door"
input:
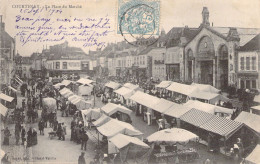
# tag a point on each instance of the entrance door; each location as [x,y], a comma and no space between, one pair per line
[223,68]
[206,68]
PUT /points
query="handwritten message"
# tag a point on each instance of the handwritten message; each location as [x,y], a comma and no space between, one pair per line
[43,24]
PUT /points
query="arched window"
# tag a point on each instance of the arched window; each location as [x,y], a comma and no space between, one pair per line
[205,48]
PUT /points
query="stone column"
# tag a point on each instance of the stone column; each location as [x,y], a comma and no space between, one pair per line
[214,72]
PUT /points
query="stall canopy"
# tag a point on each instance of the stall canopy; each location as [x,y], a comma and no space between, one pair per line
[6,97]
[58,85]
[112,108]
[66,82]
[10,87]
[164,84]
[209,108]
[205,96]
[222,126]
[91,114]
[114,127]
[253,157]
[85,81]
[182,88]
[176,110]
[3,109]
[196,117]
[112,85]
[173,136]
[121,141]
[131,86]
[125,92]
[257,99]
[68,94]
[206,88]
[162,105]
[145,99]
[73,97]
[64,90]
[251,120]
[257,108]
[102,120]
[82,104]
[85,90]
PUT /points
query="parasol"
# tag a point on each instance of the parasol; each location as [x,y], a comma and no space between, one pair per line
[173,136]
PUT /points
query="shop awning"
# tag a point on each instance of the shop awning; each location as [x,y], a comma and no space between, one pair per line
[85,90]
[10,87]
[74,97]
[63,90]
[58,85]
[112,85]
[82,104]
[257,99]
[112,108]
[253,157]
[114,127]
[196,117]
[3,109]
[125,92]
[6,97]
[204,95]
[163,105]
[66,82]
[145,99]
[85,81]
[91,114]
[121,141]
[131,86]
[176,111]
[222,126]
[102,120]
[182,88]
[250,119]
[164,84]
[206,88]
[209,108]
[256,107]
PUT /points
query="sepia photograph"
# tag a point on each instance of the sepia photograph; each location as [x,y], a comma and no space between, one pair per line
[130,81]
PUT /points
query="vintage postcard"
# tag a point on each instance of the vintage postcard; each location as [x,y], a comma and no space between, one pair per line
[130,81]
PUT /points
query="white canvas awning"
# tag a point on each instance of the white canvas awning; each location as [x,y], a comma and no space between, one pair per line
[85,81]
[112,85]
[6,97]
[84,90]
[206,88]
[182,88]
[144,99]
[121,141]
[114,127]
[10,87]
[3,109]
[164,84]
[112,108]
[163,105]
[253,157]
[102,120]
[66,82]
[176,110]
[251,120]
[209,108]
[131,86]
[125,92]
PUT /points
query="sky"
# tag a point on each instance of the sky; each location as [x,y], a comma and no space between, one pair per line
[173,13]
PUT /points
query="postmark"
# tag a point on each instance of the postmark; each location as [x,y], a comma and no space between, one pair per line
[139,21]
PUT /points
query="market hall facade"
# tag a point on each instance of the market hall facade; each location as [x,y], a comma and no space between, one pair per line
[211,57]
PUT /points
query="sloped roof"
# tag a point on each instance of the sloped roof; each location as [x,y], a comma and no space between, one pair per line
[252,45]
[250,119]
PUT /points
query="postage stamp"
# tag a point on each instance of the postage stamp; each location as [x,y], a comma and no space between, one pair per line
[139,21]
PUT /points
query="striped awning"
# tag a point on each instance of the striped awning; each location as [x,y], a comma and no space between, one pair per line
[196,117]
[222,126]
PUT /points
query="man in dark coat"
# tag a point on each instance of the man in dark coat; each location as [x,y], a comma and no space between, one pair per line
[23,132]
[7,134]
[18,128]
[29,137]
[72,127]
[41,127]
[84,140]
[81,159]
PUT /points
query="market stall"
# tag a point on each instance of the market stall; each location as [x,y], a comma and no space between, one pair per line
[113,127]
[112,85]
[3,109]
[253,157]
[166,147]
[6,97]
[127,147]
[124,94]
[90,115]
[145,103]
[131,86]
[102,120]
[209,108]
[66,82]
[117,111]
[85,81]
[255,110]
[85,90]
[206,88]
